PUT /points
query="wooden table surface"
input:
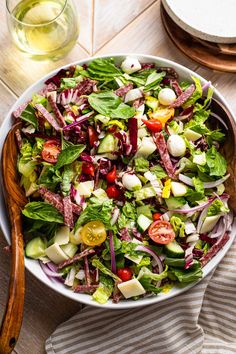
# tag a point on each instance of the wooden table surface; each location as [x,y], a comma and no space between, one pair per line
[107,26]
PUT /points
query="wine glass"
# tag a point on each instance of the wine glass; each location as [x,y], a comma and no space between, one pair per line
[43,29]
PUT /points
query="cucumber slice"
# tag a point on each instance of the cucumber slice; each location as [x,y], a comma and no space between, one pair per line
[173,249]
[36,248]
[70,249]
[62,235]
[107,144]
[143,222]
[178,262]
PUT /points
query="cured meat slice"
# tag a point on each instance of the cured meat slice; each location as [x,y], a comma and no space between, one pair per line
[160,142]
[51,120]
[183,97]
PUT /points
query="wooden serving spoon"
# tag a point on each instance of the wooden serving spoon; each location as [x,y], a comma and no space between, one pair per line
[15,200]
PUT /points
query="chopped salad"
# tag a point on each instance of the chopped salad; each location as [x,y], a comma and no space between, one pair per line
[122,169]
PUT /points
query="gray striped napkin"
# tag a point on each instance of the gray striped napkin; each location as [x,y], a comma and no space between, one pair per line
[202,320]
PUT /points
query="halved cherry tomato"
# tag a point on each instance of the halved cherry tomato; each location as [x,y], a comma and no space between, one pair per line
[111,176]
[153,125]
[161,232]
[51,150]
[93,136]
[93,233]
[156,216]
[88,168]
[124,274]
[113,192]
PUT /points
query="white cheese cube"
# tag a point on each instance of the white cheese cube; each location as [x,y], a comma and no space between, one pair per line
[55,253]
[147,147]
[131,288]
[209,223]
[178,189]
[85,188]
[200,159]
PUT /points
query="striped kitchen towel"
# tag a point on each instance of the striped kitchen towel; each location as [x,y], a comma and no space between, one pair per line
[202,320]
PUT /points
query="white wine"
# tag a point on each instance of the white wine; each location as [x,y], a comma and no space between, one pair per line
[44,28]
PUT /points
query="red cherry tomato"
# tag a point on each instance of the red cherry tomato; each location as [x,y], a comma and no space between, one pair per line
[111,176]
[161,232]
[125,274]
[93,136]
[153,125]
[51,150]
[88,168]
[156,216]
[113,192]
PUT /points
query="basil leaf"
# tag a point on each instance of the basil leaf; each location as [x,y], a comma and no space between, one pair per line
[29,116]
[103,69]
[69,155]
[108,104]
[196,94]
[42,211]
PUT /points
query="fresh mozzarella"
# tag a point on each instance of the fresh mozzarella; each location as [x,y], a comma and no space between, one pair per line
[178,189]
[131,182]
[147,147]
[176,145]
[130,65]
[166,96]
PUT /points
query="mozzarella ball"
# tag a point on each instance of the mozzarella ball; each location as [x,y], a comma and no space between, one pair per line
[130,65]
[131,182]
[176,145]
[166,96]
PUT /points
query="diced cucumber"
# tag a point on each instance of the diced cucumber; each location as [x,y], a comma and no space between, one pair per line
[62,235]
[144,193]
[143,222]
[70,249]
[36,248]
[175,202]
[178,262]
[173,249]
[145,210]
[108,144]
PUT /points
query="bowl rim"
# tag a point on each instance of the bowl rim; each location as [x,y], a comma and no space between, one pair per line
[82,298]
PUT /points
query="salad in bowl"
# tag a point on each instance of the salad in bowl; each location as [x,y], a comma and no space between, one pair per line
[124,175]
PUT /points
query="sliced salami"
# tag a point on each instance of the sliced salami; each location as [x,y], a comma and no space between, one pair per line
[176,87]
[86,271]
[160,142]
[133,134]
[214,250]
[86,288]
[52,198]
[138,102]
[76,258]
[183,97]
[47,88]
[68,212]
[51,120]
[124,89]
[59,116]
[18,138]
[85,87]
[17,113]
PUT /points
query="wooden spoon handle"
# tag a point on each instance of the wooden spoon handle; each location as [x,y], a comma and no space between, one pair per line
[12,319]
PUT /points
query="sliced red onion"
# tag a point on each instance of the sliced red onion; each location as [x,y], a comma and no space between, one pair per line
[189,227]
[219,119]
[115,216]
[187,180]
[188,257]
[112,252]
[166,216]
[194,209]
[219,229]
[79,120]
[229,218]
[158,262]
[202,217]
[137,234]
[206,86]
[192,238]
[49,272]
[70,277]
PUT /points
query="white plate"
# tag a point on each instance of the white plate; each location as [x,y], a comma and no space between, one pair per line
[210,20]
[33,266]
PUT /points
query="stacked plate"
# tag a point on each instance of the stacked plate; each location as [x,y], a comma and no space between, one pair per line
[205,30]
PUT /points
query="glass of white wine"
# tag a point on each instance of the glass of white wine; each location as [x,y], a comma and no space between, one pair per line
[43,29]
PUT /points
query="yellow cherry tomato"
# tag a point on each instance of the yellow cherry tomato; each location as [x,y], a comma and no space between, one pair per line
[93,233]
[163,114]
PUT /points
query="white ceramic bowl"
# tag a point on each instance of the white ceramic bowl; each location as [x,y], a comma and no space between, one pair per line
[32,265]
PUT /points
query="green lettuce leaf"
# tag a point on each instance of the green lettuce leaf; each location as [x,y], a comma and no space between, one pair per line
[153,81]
[146,274]
[217,207]
[216,163]
[98,264]
[196,94]
[158,171]
[141,164]
[187,275]
[26,165]
[104,292]
[42,211]
[29,116]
